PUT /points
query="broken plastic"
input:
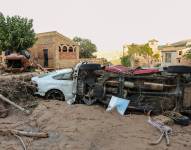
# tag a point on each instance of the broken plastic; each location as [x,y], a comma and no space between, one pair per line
[119,103]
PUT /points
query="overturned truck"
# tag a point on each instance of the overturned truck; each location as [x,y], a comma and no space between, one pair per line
[147,89]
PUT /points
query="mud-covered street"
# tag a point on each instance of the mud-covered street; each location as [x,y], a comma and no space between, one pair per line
[87,128]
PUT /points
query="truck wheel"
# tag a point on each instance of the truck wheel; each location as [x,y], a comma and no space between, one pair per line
[89,97]
[89,101]
[179,69]
[54,95]
[90,67]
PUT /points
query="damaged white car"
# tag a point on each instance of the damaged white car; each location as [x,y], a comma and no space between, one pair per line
[55,85]
[64,84]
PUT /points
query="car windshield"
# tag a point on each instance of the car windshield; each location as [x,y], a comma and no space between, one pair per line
[52,73]
[46,74]
[63,76]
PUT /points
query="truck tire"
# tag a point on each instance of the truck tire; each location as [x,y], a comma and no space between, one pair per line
[89,101]
[90,67]
[179,69]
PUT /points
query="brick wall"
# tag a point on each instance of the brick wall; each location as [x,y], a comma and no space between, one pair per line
[67,55]
[57,56]
[69,63]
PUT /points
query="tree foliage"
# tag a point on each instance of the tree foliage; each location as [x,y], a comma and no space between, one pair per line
[126,61]
[16,33]
[139,50]
[87,48]
[187,55]
[145,50]
[156,57]
[133,49]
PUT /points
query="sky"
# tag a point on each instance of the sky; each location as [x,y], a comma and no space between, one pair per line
[108,23]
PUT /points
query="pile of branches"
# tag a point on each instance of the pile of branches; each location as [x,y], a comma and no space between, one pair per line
[17,90]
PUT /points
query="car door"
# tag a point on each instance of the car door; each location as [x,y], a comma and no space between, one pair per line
[64,82]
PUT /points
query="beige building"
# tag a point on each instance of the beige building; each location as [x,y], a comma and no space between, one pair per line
[173,54]
[112,56]
[142,60]
[154,45]
[53,50]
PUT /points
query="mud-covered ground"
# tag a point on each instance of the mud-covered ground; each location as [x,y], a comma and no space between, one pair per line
[81,127]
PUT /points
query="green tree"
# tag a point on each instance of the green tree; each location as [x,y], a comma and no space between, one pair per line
[87,48]
[156,57]
[16,33]
[129,59]
[145,50]
[126,61]
[141,50]
[187,55]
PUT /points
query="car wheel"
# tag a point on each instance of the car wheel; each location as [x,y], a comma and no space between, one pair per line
[179,69]
[55,95]
[88,98]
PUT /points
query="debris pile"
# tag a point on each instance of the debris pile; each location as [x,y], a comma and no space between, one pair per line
[87,128]
[18,89]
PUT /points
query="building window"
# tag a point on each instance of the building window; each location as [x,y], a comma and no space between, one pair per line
[64,49]
[168,57]
[180,52]
[70,49]
[59,48]
[179,60]
[74,49]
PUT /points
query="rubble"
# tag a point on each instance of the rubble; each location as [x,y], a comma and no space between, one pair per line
[83,127]
[3,110]
[17,89]
[3,98]
[163,119]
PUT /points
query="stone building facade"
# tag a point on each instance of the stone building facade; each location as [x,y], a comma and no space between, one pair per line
[53,50]
[141,60]
[173,54]
[170,54]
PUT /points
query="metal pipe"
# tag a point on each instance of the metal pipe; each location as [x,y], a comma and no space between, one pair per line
[154,93]
[129,84]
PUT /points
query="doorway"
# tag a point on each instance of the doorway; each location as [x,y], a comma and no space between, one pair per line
[45,51]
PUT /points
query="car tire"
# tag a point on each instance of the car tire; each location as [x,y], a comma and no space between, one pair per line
[55,95]
[179,69]
[90,67]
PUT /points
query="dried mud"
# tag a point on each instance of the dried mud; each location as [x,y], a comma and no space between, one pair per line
[81,127]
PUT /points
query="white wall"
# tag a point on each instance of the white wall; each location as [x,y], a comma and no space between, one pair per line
[173,59]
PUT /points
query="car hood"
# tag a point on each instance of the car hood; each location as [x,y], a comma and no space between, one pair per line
[35,78]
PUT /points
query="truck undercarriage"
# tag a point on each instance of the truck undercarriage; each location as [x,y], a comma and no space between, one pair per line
[158,91]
